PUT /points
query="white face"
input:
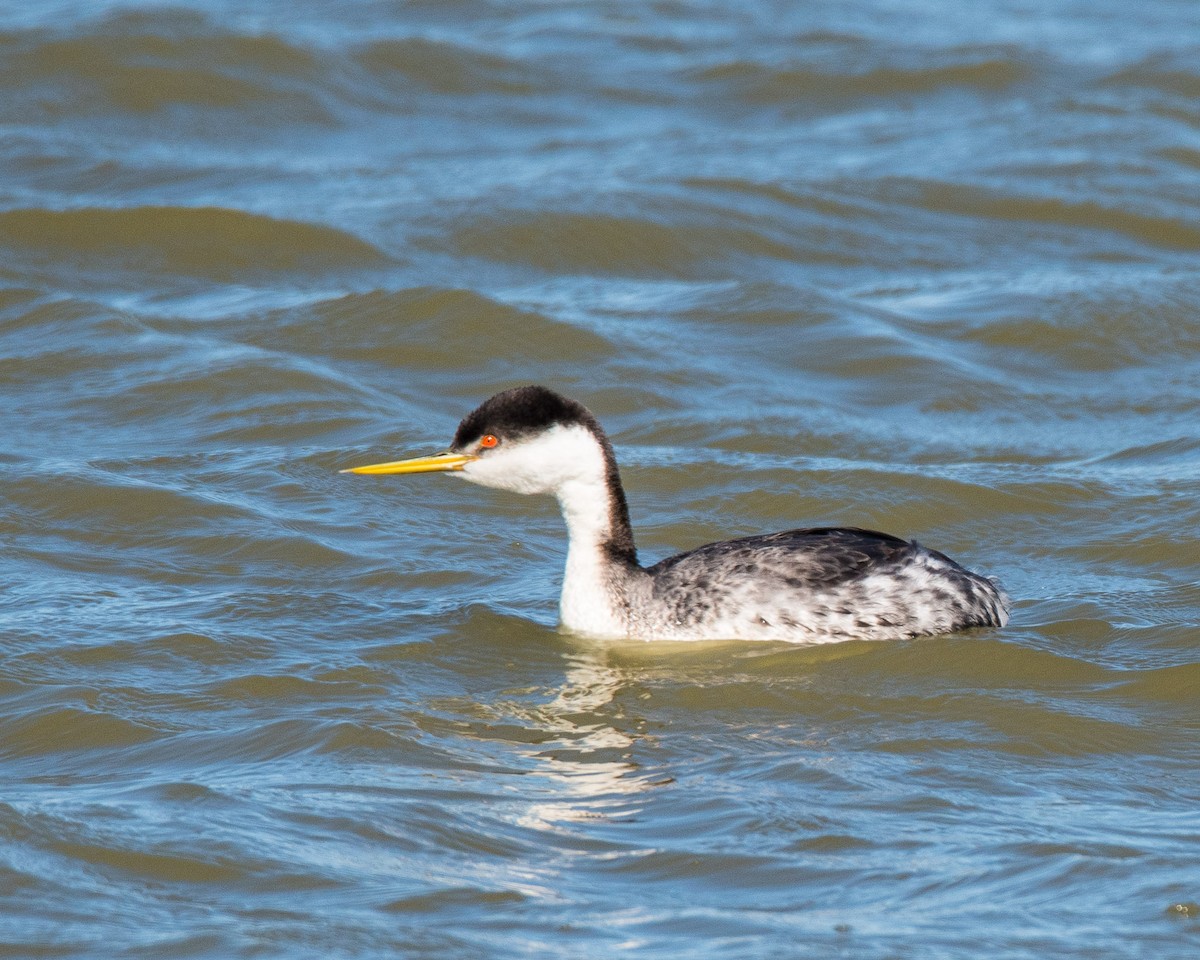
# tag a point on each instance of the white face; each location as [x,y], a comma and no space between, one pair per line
[544,463]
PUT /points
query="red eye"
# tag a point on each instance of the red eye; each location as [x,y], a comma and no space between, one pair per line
[488,441]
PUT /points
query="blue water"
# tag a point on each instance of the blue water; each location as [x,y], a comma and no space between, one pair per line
[892,264]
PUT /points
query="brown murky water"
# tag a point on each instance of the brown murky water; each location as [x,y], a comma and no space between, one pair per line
[878,263]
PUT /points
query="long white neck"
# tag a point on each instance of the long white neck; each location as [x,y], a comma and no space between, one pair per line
[592,599]
[575,463]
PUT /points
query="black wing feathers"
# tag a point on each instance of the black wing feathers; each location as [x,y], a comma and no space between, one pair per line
[811,557]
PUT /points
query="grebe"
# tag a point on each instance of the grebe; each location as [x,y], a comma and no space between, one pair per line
[802,586]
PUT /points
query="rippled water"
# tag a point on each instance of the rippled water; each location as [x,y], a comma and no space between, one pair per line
[886,262]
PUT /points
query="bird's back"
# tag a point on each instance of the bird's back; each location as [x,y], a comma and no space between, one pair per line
[825,583]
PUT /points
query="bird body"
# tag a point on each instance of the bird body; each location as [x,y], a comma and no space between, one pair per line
[811,585]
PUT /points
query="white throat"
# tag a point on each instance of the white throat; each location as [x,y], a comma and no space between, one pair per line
[591,601]
[568,462]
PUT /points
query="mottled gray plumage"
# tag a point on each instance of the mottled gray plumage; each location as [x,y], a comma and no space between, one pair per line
[819,582]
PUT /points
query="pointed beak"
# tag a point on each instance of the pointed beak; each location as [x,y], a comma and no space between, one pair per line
[437,464]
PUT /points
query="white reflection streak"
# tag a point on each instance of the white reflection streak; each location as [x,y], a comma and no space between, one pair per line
[588,769]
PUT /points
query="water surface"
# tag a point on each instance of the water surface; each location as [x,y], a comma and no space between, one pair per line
[869,263]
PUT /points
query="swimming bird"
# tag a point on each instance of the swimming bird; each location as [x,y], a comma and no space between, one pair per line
[805,586]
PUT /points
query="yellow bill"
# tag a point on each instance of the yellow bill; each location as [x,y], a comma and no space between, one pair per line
[443,461]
